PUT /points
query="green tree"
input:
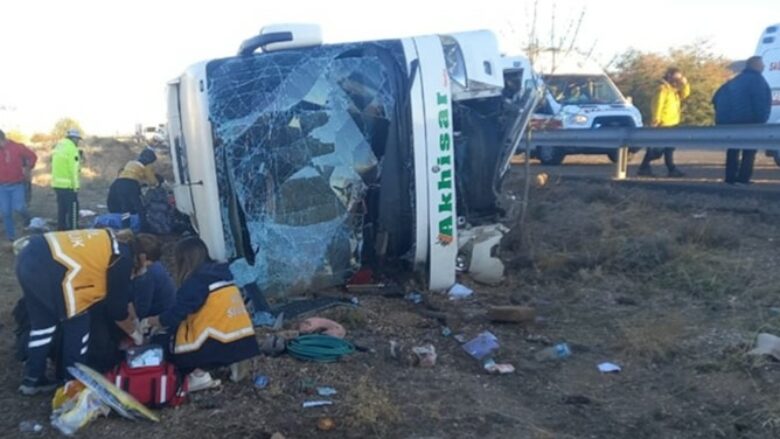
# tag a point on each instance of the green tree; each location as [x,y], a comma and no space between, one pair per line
[63,125]
[637,74]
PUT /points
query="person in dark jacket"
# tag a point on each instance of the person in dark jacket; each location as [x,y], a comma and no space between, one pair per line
[153,289]
[62,275]
[212,326]
[745,99]
[124,194]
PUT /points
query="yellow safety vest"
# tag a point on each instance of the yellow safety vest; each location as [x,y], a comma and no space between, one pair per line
[137,171]
[223,318]
[86,255]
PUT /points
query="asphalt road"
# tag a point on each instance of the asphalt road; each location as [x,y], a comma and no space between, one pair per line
[704,171]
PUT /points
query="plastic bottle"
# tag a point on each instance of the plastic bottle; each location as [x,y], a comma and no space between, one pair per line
[557,352]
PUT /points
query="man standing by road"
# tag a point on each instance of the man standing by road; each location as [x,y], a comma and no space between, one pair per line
[666,111]
[744,99]
[65,170]
[13,159]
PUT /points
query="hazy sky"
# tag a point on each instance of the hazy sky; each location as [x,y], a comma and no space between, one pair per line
[106,63]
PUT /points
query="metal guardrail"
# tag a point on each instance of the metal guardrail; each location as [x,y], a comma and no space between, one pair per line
[719,138]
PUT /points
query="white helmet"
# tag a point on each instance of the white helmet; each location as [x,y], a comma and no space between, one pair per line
[74,133]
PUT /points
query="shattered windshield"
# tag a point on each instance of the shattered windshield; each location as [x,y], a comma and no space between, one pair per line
[583,89]
[299,136]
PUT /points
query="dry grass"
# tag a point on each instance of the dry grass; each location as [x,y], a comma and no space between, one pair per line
[371,405]
[652,338]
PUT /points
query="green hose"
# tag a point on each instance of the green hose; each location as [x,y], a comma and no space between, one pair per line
[319,348]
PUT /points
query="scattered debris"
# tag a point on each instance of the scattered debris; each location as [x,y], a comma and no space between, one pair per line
[460,338]
[459,291]
[319,403]
[273,345]
[326,391]
[319,348]
[30,427]
[557,352]
[261,381]
[609,368]
[425,356]
[362,277]
[289,334]
[445,331]
[767,344]
[119,400]
[86,213]
[278,322]
[326,424]
[263,318]
[511,314]
[78,411]
[700,215]
[414,297]
[321,325]
[482,345]
[500,368]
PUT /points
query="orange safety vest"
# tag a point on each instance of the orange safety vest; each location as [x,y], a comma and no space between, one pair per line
[86,255]
[223,318]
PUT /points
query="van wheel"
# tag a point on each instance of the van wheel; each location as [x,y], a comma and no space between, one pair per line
[613,156]
[549,155]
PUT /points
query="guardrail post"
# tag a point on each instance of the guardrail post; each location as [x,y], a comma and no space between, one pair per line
[621,170]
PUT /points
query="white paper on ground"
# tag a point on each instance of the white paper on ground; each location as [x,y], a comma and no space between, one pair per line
[609,368]
[459,291]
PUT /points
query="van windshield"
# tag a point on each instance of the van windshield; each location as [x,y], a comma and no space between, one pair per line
[583,89]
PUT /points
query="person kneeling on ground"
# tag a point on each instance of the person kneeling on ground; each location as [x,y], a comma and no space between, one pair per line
[62,275]
[213,327]
[152,292]
[124,195]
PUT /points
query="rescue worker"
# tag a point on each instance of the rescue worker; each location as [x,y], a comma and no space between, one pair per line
[212,326]
[14,157]
[65,173]
[666,111]
[62,275]
[124,195]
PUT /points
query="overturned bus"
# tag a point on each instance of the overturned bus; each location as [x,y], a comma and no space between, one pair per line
[302,162]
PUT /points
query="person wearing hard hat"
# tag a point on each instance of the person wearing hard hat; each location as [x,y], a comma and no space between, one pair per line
[65,170]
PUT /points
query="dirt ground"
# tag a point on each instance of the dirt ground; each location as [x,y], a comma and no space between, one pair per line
[673,287]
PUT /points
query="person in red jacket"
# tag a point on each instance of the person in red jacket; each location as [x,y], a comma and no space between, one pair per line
[14,158]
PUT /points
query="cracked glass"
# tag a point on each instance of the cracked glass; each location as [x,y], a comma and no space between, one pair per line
[299,140]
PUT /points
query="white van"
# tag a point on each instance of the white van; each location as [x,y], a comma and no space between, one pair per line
[769,49]
[579,95]
[303,162]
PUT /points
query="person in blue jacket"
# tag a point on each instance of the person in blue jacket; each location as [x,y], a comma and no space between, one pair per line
[745,99]
[153,289]
[63,275]
[210,324]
